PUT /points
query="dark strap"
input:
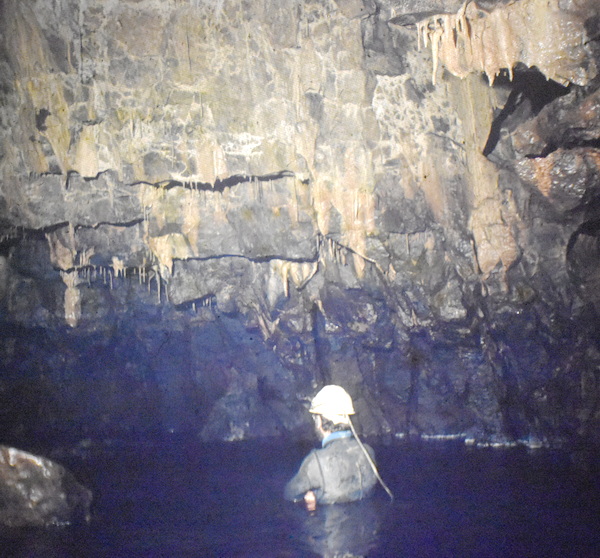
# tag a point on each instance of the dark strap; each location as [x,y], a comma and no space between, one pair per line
[320,470]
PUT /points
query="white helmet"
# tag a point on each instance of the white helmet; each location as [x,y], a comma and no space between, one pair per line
[334,403]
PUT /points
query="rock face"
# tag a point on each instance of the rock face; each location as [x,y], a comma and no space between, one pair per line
[208,209]
[35,491]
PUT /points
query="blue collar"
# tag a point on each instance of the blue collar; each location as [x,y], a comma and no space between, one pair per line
[335,436]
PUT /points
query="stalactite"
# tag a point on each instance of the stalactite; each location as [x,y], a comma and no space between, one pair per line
[474,40]
[12,234]
[391,273]
[208,301]
[158,285]
[266,325]
[359,264]
[295,213]
[71,229]
[72,297]
[263,327]
[284,277]
[302,273]
[84,256]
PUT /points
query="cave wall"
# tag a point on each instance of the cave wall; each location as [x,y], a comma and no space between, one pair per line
[208,209]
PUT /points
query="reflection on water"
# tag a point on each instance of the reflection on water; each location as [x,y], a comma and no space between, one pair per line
[341,529]
[178,498]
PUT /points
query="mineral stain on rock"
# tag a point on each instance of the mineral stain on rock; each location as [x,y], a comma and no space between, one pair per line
[40,119]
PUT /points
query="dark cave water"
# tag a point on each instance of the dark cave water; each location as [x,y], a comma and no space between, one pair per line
[181,498]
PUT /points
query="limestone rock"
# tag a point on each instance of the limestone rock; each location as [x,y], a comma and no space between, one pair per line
[35,491]
[208,209]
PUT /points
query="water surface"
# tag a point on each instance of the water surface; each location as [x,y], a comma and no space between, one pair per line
[180,498]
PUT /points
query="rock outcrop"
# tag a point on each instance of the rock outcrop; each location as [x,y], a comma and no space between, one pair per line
[37,492]
[208,209]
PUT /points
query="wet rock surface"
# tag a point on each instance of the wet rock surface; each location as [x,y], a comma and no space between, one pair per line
[36,492]
[208,210]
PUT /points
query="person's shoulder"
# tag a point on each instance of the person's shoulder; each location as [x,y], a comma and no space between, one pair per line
[312,454]
[342,443]
[356,445]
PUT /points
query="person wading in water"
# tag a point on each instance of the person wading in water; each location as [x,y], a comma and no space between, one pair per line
[343,469]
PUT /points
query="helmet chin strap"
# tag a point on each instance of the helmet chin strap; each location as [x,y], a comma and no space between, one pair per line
[370,460]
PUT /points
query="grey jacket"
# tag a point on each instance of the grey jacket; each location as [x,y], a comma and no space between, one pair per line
[338,472]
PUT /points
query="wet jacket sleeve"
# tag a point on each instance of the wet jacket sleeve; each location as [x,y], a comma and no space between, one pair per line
[307,478]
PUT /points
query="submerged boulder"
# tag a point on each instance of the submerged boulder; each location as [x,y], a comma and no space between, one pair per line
[35,491]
